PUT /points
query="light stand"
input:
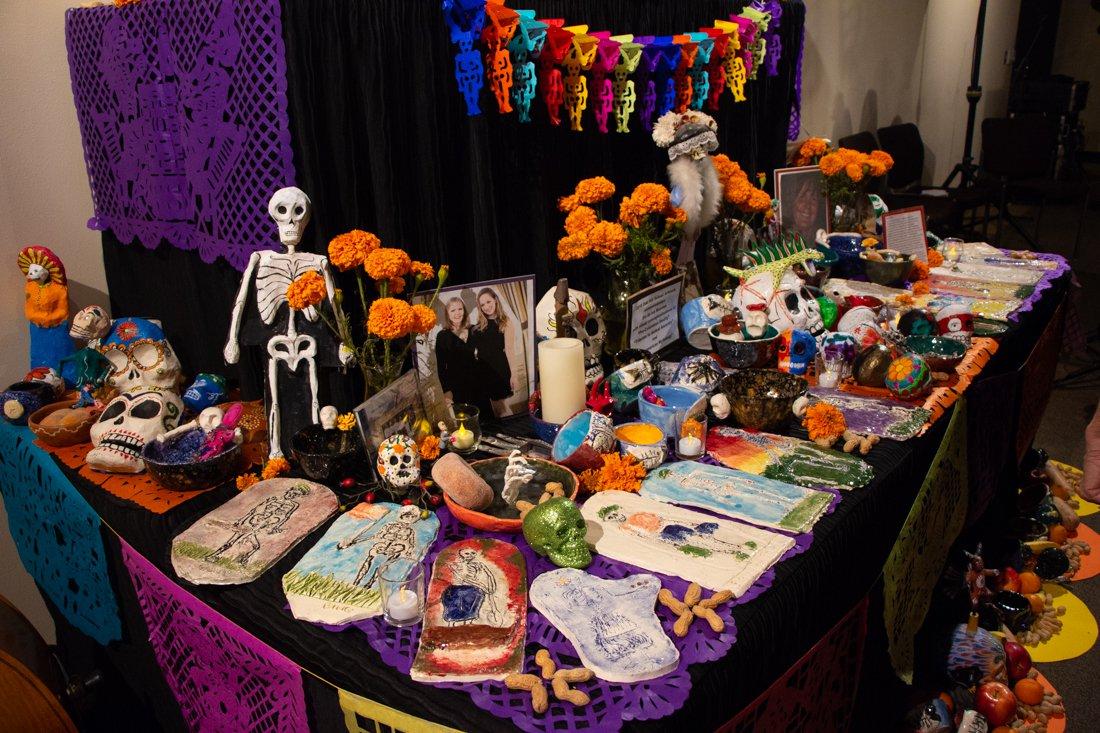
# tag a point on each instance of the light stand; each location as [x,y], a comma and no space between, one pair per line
[967,169]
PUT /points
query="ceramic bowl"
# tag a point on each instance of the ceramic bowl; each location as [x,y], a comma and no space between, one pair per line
[761,399]
[544,430]
[650,454]
[760,353]
[582,441]
[326,456]
[867,301]
[871,364]
[847,246]
[23,398]
[499,516]
[942,354]
[190,476]
[890,270]
[679,403]
[822,268]
[73,431]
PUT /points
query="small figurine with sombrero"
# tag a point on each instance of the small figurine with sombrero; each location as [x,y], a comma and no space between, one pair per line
[46,306]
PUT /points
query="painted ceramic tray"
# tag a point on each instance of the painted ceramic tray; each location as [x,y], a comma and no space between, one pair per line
[989,273]
[883,418]
[790,460]
[715,553]
[737,494]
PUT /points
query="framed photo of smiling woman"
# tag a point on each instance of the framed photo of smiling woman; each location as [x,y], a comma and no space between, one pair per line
[483,344]
[803,207]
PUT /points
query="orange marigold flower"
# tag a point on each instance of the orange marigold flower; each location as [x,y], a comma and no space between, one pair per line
[759,200]
[424,318]
[875,168]
[422,270]
[854,171]
[387,262]
[618,473]
[428,447]
[305,291]
[594,190]
[903,299]
[661,259]
[935,259]
[580,220]
[275,467]
[607,238]
[350,249]
[725,168]
[396,285]
[676,216]
[921,287]
[568,203]
[881,156]
[390,318]
[823,420]
[572,248]
[246,481]
[831,164]
[919,271]
[630,213]
[651,197]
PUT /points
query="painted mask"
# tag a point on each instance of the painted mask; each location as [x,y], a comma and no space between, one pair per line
[90,323]
[556,529]
[205,391]
[796,350]
[140,355]
[789,304]
[955,322]
[589,327]
[399,461]
[128,422]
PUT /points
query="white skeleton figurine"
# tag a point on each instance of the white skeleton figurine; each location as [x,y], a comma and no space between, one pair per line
[395,541]
[273,273]
[516,474]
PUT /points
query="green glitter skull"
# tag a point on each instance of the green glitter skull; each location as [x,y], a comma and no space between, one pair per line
[556,529]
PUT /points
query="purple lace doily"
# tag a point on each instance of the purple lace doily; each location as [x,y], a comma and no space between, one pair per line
[1048,278]
[612,702]
[224,678]
[183,114]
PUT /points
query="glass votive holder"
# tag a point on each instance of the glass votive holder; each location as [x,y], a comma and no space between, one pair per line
[464,429]
[403,595]
[691,440]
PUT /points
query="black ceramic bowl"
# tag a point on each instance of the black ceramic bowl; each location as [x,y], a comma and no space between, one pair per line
[190,476]
[760,353]
[326,455]
[887,271]
[761,399]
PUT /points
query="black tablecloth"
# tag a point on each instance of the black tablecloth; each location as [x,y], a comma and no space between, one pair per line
[811,593]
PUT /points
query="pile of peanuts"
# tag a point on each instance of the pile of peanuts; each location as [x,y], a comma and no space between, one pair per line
[560,681]
[1074,549]
[1034,718]
[694,606]
[1046,624]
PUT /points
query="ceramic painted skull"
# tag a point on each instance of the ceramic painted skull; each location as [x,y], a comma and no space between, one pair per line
[90,323]
[955,321]
[399,461]
[788,305]
[128,422]
[291,209]
[140,355]
[838,351]
[796,350]
[556,529]
[206,390]
[590,327]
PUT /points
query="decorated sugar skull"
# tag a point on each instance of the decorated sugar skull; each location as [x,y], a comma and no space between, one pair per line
[796,350]
[129,421]
[788,305]
[399,461]
[140,355]
[291,209]
[90,323]
[955,321]
[589,327]
[838,351]
[556,529]
[206,390]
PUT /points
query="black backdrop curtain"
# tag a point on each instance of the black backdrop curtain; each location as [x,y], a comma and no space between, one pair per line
[382,142]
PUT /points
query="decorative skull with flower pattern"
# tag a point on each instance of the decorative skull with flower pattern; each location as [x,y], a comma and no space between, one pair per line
[399,461]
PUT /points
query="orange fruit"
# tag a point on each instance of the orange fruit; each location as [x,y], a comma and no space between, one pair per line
[1029,691]
[1058,534]
[1060,491]
[1030,582]
[1001,729]
[1038,603]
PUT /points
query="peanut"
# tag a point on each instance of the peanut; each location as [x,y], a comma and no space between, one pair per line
[540,701]
[674,604]
[579,674]
[555,488]
[576,697]
[717,625]
[522,682]
[717,599]
[543,660]
[560,687]
[694,593]
[680,628]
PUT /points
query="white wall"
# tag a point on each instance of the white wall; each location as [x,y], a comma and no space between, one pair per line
[870,64]
[1077,54]
[44,187]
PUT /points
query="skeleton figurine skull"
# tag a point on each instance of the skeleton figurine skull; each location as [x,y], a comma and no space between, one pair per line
[787,302]
[129,421]
[399,462]
[90,324]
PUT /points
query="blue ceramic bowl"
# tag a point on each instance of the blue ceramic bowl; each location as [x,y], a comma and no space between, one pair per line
[847,246]
[582,441]
[678,403]
[23,398]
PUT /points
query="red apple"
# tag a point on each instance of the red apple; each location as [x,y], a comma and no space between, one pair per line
[1017,660]
[996,702]
[1010,580]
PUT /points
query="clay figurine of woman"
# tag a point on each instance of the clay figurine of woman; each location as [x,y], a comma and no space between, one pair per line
[456,357]
[46,306]
[494,339]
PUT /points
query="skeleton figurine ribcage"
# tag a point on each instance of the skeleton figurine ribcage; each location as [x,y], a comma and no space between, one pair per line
[274,273]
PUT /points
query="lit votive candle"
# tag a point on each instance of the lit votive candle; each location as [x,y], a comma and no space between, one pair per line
[689,446]
[403,605]
[463,438]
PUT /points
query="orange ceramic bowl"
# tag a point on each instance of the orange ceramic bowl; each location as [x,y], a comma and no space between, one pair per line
[499,516]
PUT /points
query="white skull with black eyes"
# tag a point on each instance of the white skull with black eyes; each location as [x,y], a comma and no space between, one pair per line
[129,422]
[789,304]
[399,461]
[290,208]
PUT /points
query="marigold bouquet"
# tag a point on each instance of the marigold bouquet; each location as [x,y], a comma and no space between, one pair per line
[742,199]
[638,243]
[847,172]
[391,321]
[810,151]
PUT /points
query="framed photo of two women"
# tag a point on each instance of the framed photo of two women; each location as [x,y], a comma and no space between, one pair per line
[483,345]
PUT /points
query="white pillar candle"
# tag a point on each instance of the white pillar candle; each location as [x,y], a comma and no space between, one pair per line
[403,605]
[561,378]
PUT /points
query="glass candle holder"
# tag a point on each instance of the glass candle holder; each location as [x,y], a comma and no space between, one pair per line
[464,429]
[403,595]
[691,439]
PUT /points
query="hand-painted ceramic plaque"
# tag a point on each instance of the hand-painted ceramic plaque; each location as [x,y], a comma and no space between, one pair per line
[245,536]
[475,618]
[873,416]
[737,494]
[337,581]
[715,553]
[790,460]
[611,623]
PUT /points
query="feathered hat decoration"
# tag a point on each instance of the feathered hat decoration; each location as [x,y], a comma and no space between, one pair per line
[776,257]
[43,256]
[683,133]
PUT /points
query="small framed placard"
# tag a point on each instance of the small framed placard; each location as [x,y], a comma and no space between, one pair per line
[904,231]
[652,315]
